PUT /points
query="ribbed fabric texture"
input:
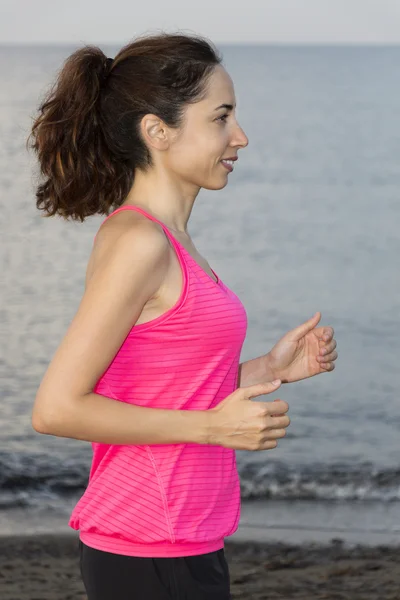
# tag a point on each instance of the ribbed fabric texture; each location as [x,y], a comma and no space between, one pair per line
[166,500]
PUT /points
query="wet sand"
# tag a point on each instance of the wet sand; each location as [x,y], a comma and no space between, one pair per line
[46,567]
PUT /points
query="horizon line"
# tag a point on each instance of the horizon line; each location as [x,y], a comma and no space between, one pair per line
[226,43]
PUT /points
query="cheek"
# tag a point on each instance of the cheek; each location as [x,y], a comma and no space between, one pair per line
[188,160]
[200,155]
[200,150]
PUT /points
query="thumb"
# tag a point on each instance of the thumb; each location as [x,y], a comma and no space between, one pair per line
[259,389]
[304,328]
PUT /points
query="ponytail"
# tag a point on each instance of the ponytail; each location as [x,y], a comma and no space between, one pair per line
[87,135]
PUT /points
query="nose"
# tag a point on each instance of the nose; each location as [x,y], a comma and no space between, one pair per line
[239,138]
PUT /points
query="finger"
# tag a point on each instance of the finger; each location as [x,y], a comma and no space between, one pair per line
[278,422]
[268,445]
[276,400]
[298,332]
[330,344]
[276,434]
[277,407]
[328,358]
[328,366]
[328,333]
[327,348]
[261,388]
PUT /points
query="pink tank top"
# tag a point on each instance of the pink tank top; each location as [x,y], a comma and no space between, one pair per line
[166,500]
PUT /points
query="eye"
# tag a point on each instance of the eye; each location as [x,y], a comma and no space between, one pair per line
[223,118]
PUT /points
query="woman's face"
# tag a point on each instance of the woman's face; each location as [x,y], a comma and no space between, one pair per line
[209,134]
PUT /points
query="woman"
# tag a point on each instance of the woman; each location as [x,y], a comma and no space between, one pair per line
[148,370]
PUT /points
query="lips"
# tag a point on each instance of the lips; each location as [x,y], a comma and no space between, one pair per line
[228,164]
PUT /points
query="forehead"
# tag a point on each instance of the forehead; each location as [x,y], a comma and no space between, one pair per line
[220,89]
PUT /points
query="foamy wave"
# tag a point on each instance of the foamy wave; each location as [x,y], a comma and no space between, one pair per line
[26,480]
[361,482]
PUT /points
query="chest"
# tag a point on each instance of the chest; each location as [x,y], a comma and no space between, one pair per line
[170,290]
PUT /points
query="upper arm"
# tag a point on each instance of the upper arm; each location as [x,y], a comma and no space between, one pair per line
[126,277]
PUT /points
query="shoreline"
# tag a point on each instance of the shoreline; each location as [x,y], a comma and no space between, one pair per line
[46,567]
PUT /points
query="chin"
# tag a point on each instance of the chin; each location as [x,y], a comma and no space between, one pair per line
[214,185]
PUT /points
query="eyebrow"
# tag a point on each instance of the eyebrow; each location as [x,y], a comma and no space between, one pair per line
[226,106]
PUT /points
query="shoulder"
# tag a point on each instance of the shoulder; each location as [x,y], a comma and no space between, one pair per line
[130,231]
[129,237]
[128,222]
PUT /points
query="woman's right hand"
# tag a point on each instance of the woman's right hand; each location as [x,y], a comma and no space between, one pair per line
[238,423]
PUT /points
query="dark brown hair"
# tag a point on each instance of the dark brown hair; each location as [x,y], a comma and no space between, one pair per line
[87,136]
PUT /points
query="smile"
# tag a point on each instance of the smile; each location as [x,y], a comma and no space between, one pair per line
[228,164]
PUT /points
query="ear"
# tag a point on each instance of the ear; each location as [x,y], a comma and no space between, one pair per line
[154,132]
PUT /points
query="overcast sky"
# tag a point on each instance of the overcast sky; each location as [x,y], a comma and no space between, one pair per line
[234,21]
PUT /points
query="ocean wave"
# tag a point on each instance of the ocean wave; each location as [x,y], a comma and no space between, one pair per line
[323,482]
[26,480]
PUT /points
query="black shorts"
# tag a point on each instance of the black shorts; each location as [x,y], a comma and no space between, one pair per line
[108,576]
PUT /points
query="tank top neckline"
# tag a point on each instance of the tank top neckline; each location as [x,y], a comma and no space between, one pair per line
[133,207]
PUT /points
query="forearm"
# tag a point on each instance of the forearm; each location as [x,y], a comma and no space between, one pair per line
[96,418]
[255,371]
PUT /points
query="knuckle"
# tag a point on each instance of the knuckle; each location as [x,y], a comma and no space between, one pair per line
[267,418]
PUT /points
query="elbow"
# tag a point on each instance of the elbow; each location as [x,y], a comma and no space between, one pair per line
[46,420]
[38,426]
[38,423]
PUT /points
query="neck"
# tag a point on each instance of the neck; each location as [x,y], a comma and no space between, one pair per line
[166,199]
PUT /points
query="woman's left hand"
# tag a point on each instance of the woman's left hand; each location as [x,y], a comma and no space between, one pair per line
[303,352]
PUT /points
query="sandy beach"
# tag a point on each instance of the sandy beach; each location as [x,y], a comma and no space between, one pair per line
[46,567]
